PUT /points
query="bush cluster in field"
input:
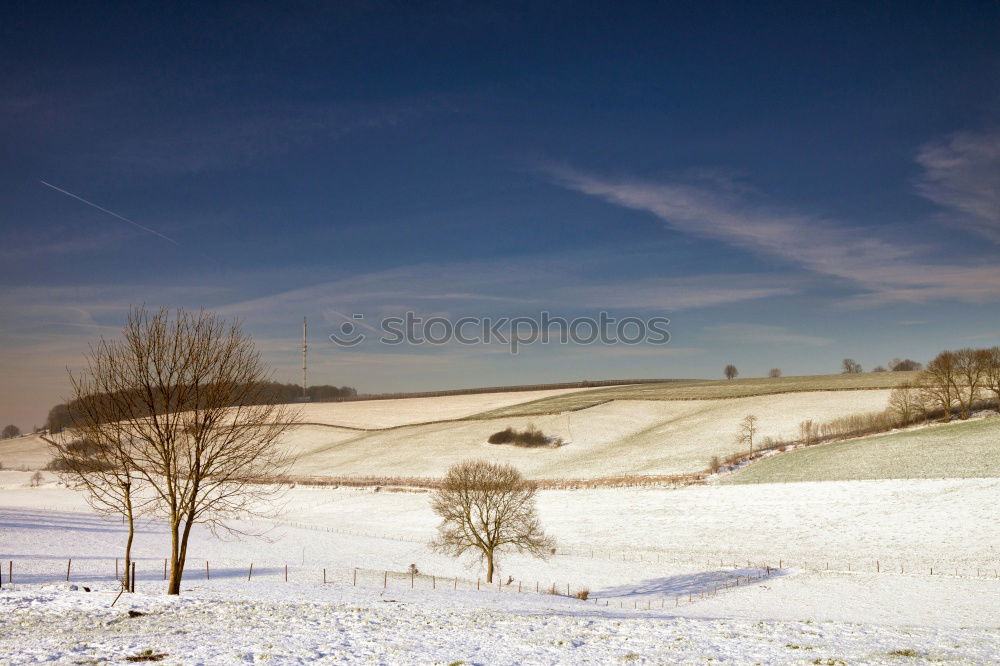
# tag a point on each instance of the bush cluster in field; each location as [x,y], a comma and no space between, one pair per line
[530,437]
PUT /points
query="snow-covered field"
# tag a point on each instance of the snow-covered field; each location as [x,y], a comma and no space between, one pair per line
[649,554]
[615,438]
[403,411]
[620,437]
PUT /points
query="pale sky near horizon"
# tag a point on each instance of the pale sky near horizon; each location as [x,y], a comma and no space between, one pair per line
[790,184]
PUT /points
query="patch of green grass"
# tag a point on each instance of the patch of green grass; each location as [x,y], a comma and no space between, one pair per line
[700,390]
[954,450]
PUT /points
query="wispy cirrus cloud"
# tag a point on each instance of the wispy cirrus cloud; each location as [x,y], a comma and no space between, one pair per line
[886,271]
[962,173]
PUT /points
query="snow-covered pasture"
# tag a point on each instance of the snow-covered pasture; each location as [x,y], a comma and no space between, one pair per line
[614,438]
[635,437]
[642,548]
[370,414]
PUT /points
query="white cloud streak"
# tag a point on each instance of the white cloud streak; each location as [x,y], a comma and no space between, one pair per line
[962,173]
[885,271]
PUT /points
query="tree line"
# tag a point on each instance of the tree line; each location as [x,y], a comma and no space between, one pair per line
[953,383]
[275,393]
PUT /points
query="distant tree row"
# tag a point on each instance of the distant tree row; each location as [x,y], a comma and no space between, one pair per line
[849,366]
[272,393]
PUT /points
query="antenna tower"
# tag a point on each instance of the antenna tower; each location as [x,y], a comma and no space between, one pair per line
[305,349]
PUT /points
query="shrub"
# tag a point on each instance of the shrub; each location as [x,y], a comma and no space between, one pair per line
[505,436]
[530,437]
[714,464]
[36,479]
[583,594]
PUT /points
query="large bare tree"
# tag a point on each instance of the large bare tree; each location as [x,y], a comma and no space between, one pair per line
[485,508]
[971,370]
[187,394]
[730,371]
[992,380]
[939,384]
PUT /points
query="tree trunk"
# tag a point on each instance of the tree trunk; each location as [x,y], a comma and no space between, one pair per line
[489,567]
[131,534]
[174,584]
[179,541]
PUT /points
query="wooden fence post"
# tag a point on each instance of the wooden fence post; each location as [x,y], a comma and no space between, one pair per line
[69,563]
[208,575]
[117,577]
[164,568]
[10,572]
[133,577]
[286,572]
[385,579]
[355,582]
[250,573]
[877,566]
[434,582]
[324,575]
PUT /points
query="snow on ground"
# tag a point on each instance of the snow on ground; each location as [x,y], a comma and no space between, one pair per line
[615,438]
[402,411]
[634,550]
[620,437]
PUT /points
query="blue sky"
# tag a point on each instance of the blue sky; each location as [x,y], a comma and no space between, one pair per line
[790,184]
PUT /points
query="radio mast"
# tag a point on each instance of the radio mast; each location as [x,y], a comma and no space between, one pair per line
[305,348]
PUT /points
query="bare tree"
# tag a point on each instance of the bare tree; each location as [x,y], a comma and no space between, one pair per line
[188,392]
[850,367]
[487,507]
[905,403]
[938,383]
[971,368]
[774,372]
[11,431]
[992,380]
[747,431]
[36,479]
[808,431]
[99,465]
[731,372]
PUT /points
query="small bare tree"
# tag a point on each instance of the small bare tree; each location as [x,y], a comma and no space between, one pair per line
[808,431]
[36,479]
[774,372]
[99,465]
[487,507]
[188,394]
[850,367]
[905,403]
[747,431]
[731,372]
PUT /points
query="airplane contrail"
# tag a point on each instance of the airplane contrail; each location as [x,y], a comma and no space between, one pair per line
[109,212]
